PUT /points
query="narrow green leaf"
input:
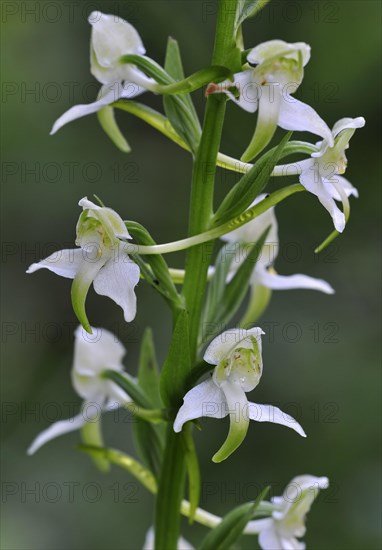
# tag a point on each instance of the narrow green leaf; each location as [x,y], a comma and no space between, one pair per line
[148,438]
[106,118]
[224,535]
[193,470]
[170,492]
[124,461]
[247,9]
[250,185]
[129,384]
[174,67]
[148,372]
[177,366]
[217,285]
[237,288]
[176,108]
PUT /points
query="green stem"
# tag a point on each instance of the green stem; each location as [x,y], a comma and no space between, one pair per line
[170,493]
[172,476]
[223,229]
[201,212]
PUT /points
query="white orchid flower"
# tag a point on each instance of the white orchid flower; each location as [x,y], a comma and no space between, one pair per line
[101,259]
[92,356]
[239,365]
[320,173]
[267,87]
[150,538]
[264,273]
[112,37]
[280,532]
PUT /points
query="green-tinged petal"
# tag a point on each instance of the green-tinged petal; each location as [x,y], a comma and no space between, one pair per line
[227,341]
[258,302]
[275,48]
[348,123]
[92,435]
[106,118]
[268,116]
[239,420]
[126,462]
[80,287]
[111,222]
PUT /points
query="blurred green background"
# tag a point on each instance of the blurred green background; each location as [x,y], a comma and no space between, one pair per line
[320,354]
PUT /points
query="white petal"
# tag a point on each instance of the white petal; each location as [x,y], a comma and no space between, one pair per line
[65,263]
[55,430]
[249,91]
[291,543]
[112,37]
[149,542]
[205,399]
[269,540]
[272,48]
[344,183]
[97,352]
[269,413]
[347,123]
[307,482]
[296,115]
[79,111]
[313,182]
[220,346]
[289,282]
[117,280]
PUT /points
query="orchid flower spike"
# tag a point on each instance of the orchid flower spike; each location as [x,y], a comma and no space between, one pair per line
[150,538]
[267,87]
[92,356]
[280,532]
[239,366]
[102,259]
[320,174]
[111,38]
[264,273]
